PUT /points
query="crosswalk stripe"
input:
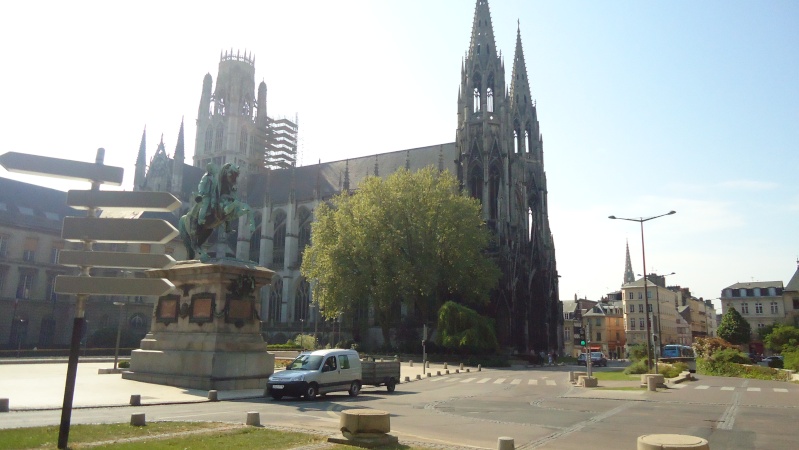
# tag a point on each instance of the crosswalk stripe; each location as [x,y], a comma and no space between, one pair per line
[499,381]
[438,379]
[449,380]
[532,382]
[483,380]
[727,388]
[550,382]
[751,389]
[704,386]
[679,386]
[780,390]
[468,380]
[516,381]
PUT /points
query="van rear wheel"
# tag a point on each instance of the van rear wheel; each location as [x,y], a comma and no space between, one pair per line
[391,385]
[355,389]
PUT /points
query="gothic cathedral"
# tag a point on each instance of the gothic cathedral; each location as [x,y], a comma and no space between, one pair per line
[497,156]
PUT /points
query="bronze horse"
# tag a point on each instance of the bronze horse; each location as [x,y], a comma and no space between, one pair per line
[216,203]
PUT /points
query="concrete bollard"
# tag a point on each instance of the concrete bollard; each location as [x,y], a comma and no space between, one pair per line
[671,442]
[446,372]
[427,364]
[410,363]
[505,443]
[467,370]
[438,373]
[419,377]
[445,365]
[457,371]
[429,374]
[3,405]
[138,420]
[461,367]
[407,379]
[253,419]
[135,400]
[213,395]
[479,367]
[652,384]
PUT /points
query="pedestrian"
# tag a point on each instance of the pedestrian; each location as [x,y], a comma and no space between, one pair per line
[551,357]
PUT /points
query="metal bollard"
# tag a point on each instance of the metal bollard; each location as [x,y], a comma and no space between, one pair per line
[505,443]
[3,405]
[135,400]
[213,395]
[138,420]
[253,419]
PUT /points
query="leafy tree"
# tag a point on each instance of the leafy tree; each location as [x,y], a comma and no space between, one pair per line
[464,330]
[412,238]
[762,332]
[782,338]
[734,328]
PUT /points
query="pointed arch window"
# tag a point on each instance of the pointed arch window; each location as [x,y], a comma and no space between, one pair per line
[243,141]
[279,240]
[526,142]
[218,140]
[476,106]
[478,85]
[493,193]
[515,141]
[490,100]
[275,300]
[304,233]
[302,301]
[209,139]
[478,49]
[476,182]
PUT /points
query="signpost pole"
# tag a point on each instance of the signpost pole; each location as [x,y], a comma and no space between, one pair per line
[77,333]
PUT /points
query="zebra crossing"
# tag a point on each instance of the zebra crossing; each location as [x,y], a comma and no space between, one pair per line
[705,387]
[511,381]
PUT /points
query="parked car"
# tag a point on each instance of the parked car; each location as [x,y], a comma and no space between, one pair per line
[597,359]
[770,361]
[318,372]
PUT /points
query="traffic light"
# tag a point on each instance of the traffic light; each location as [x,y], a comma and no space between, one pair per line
[582,337]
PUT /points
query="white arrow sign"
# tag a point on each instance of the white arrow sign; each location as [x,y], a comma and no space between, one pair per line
[112,286]
[117,230]
[123,200]
[115,259]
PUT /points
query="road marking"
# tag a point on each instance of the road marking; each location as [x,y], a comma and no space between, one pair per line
[516,381]
[483,380]
[499,381]
[550,382]
[727,388]
[449,380]
[727,419]
[704,386]
[468,380]
[752,389]
[780,390]
[679,386]
[438,379]
[532,382]
[591,422]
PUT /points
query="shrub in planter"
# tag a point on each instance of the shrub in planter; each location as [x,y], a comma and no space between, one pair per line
[637,367]
[124,364]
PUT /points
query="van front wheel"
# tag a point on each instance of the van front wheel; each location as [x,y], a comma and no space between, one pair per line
[391,385]
[355,388]
[310,392]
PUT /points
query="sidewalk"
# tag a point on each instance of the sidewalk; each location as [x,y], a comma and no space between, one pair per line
[39,384]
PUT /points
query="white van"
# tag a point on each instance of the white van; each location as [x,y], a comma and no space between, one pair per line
[318,372]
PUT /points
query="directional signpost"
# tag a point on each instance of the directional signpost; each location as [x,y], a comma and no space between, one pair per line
[91,229]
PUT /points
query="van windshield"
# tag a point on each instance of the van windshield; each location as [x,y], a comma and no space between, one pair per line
[305,362]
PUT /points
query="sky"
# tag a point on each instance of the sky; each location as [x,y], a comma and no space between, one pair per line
[645,107]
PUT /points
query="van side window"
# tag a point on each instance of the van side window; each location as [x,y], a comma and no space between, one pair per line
[330,363]
[344,361]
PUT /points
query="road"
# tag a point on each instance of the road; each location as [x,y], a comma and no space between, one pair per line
[539,408]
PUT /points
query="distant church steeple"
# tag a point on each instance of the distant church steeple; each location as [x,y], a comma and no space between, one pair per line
[141,163]
[629,276]
[177,163]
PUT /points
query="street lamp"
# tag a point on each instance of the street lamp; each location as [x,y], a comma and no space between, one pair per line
[641,221]
[119,332]
[658,322]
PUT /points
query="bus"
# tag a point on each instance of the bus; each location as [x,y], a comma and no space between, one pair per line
[678,351]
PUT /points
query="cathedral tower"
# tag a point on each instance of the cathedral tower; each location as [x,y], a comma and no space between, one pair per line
[500,162]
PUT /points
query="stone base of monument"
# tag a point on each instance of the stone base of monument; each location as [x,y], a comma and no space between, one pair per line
[365,428]
[206,334]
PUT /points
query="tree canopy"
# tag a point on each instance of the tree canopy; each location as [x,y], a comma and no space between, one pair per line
[412,238]
[734,328]
[782,338]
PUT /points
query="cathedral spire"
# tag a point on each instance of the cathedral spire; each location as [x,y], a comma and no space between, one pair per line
[629,276]
[179,150]
[482,42]
[141,162]
[519,85]
[177,163]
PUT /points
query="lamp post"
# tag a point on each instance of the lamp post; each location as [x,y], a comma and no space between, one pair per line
[641,221]
[658,329]
[119,332]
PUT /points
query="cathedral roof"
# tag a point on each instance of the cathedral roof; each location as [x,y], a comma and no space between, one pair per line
[32,206]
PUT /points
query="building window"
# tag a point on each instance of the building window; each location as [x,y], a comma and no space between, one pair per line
[648,294]
[279,240]
[758,308]
[302,301]
[25,285]
[640,295]
[744,308]
[629,295]
[757,292]
[598,336]
[566,334]
[276,300]
[632,324]
[649,307]
[3,271]
[3,245]
[54,252]
[795,303]
[742,292]
[774,308]
[490,100]
[304,234]
[761,325]
[641,324]
[632,308]
[641,308]
[771,291]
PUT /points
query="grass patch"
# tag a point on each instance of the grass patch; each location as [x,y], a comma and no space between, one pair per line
[165,435]
[614,375]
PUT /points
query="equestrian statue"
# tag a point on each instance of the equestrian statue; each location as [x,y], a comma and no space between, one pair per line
[216,203]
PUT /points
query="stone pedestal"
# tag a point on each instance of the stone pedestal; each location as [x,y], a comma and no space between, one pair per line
[206,334]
